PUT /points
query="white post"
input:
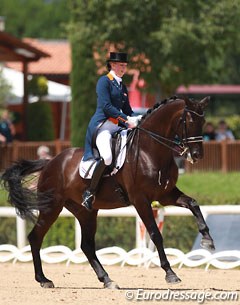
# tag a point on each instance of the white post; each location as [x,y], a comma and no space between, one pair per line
[78,234]
[21,232]
[138,233]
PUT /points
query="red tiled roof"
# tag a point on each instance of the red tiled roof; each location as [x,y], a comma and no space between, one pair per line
[58,63]
[209,89]
[14,49]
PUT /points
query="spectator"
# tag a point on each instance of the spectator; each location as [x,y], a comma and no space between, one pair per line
[7,129]
[43,152]
[209,133]
[223,132]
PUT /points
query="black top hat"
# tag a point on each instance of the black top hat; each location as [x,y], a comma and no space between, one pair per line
[118,57]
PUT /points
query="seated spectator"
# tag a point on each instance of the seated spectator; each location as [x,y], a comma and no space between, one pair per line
[7,129]
[223,132]
[209,132]
[43,152]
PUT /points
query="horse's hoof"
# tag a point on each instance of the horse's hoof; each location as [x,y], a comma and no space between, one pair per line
[111,285]
[172,279]
[207,244]
[47,284]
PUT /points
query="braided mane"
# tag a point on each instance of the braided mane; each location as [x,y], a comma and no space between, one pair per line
[157,105]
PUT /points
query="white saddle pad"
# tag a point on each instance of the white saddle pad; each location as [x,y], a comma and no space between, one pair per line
[86,168]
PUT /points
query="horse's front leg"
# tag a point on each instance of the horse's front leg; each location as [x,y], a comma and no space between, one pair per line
[192,205]
[146,214]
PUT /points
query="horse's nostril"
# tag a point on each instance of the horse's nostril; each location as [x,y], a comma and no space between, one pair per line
[195,154]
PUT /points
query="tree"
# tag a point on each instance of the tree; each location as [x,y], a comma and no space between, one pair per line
[83,75]
[170,42]
[36,18]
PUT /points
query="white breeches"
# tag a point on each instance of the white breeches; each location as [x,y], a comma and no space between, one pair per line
[104,141]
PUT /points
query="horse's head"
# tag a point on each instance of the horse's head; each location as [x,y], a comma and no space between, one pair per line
[177,124]
[190,129]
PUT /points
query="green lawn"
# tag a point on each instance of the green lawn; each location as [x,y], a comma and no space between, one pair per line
[3,197]
[211,188]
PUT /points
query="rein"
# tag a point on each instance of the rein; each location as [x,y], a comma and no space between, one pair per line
[183,143]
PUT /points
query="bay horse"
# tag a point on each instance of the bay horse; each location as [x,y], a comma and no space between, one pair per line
[149,173]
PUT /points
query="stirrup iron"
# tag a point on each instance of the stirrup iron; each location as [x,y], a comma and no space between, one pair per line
[88,200]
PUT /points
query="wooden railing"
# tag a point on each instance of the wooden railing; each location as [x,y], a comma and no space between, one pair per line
[27,150]
[218,156]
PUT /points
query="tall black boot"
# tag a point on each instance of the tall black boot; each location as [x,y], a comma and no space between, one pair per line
[89,194]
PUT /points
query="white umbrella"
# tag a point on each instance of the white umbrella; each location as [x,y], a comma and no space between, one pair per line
[56,92]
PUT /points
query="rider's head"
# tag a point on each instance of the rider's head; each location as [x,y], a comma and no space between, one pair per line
[118,63]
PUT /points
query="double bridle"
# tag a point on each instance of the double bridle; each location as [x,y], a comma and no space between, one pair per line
[183,142]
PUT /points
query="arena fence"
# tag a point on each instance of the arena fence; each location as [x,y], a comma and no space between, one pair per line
[218,156]
[27,150]
[142,255]
[118,256]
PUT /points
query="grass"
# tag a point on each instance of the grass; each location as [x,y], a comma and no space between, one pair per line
[3,197]
[211,188]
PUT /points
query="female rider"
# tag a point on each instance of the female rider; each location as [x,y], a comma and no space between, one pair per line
[113,107]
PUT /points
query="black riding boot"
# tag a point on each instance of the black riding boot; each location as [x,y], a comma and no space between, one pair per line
[89,194]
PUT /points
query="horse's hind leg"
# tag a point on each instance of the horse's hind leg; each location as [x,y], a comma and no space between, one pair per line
[88,226]
[35,237]
[88,223]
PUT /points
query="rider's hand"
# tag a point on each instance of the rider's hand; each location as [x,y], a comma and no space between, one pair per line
[132,121]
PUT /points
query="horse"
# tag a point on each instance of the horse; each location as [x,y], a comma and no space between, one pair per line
[148,174]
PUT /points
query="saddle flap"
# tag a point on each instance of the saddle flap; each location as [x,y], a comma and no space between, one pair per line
[119,142]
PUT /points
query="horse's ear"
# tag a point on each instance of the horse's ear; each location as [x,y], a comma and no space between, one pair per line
[188,101]
[204,102]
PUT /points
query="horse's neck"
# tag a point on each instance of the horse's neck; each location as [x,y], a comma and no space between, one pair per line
[163,120]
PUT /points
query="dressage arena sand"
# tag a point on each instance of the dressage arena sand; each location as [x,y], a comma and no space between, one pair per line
[77,284]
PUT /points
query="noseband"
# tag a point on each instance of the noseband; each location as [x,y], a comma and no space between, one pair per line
[183,142]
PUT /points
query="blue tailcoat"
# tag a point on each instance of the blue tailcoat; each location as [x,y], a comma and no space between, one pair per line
[112,102]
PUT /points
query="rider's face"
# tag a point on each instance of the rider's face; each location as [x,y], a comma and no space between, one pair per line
[119,68]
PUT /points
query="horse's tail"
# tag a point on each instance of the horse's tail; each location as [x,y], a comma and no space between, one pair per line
[21,197]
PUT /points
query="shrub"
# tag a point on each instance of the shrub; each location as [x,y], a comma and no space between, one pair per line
[38,86]
[40,123]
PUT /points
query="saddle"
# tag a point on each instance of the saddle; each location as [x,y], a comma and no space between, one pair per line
[119,141]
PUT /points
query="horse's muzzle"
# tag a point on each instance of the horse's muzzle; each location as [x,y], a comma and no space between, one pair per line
[193,156]
[197,155]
